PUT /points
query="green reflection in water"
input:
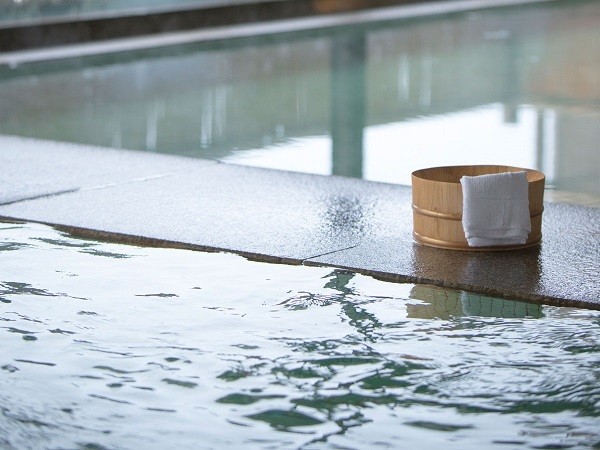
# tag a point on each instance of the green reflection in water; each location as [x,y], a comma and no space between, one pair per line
[445,304]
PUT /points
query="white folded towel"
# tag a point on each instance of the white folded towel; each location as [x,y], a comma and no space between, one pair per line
[496,209]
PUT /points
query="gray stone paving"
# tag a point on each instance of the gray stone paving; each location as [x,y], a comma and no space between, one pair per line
[287,217]
[31,168]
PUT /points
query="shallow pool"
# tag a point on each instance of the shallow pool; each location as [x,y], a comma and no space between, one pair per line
[376,100]
[110,346]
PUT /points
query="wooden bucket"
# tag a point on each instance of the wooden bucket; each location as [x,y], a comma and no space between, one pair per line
[437,205]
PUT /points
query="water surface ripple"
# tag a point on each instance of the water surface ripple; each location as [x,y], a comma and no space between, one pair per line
[118,347]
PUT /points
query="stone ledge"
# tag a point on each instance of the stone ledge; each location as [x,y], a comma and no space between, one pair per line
[286,217]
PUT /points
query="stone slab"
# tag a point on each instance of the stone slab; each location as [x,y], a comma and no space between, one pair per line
[257,212]
[32,168]
[564,270]
[289,217]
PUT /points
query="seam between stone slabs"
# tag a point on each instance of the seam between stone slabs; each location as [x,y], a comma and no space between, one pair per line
[138,180]
[102,186]
[304,260]
[40,196]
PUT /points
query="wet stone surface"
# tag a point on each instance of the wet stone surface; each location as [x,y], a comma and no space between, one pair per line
[289,217]
[563,270]
[252,211]
[30,168]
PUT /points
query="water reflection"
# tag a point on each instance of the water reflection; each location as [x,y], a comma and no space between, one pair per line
[515,86]
[446,304]
[348,55]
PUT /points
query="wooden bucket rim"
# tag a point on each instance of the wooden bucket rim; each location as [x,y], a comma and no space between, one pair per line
[428,174]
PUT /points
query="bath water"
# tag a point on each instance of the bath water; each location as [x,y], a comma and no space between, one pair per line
[110,346]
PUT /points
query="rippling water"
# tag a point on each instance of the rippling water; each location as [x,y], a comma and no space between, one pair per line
[106,346]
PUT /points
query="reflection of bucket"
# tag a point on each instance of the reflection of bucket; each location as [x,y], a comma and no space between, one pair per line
[437,205]
[482,306]
[436,303]
[442,303]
